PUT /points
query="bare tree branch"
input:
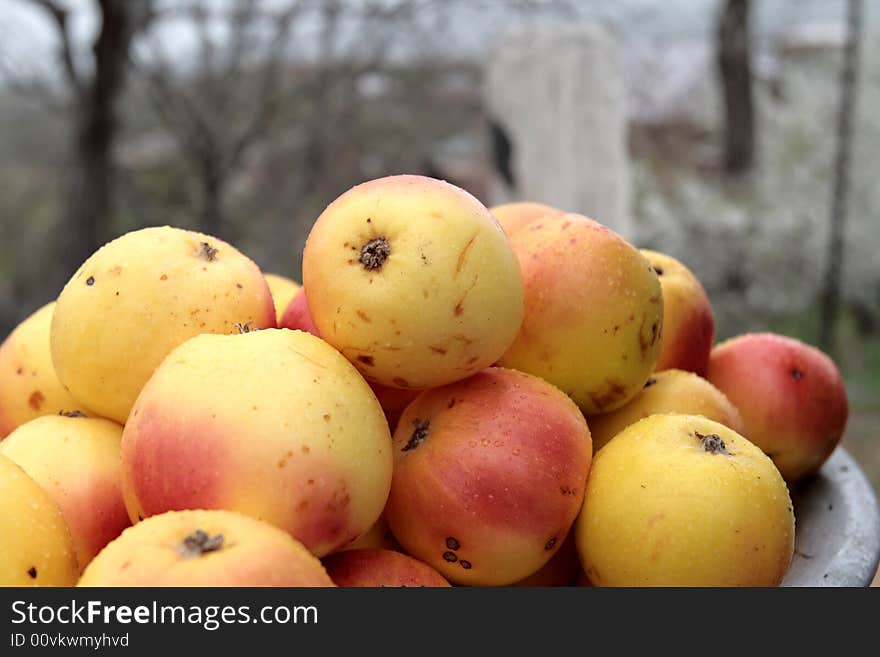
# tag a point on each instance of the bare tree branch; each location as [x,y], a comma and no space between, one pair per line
[59,16]
[267,98]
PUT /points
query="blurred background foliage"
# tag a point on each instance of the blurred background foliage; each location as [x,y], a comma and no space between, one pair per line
[751,135]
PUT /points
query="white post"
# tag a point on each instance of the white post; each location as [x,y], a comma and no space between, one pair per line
[557,93]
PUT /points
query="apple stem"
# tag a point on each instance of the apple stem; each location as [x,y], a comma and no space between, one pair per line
[199,543]
[419,434]
[712,443]
[374,253]
[207,251]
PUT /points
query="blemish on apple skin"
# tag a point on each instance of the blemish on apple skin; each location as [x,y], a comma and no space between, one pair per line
[438,350]
[366,360]
[35,401]
[400,382]
[419,434]
[462,257]
[90,280]
[450,556]
[364,316]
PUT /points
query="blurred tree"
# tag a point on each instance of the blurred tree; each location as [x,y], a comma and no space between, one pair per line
[94,92]
[242,83]
[830,301]
[734,66]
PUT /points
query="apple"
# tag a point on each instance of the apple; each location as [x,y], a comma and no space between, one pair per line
[680,500]
[204,548]
[669,391]
[688,319]
[489,475]
[76,460]
[513,216]
[377,567]
[29,386]
[283,289]
[137,298]
[275,424]
[791,396]
[413,280]
[594,312]
[35,544]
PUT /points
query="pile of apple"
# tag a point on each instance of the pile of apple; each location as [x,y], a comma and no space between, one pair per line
[455,395]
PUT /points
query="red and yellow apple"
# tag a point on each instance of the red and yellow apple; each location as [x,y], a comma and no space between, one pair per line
[489,475]
[204,548]
[688,320]
[377,567]
[669,391]
[413,280]
[594,312]
[76,459]
[791,396]
[275,424]
[513,216]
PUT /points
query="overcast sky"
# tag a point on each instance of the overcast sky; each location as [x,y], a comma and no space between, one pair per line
[27,38]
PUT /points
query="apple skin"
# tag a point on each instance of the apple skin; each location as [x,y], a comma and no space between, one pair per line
[204,548]
[283,289]
[669,391]
[594,312]
[488,477]
[274,423]
[688,319]
[791,396]
[393,400]
[137,298]
[513,216]
[680,500]
[377,567]
[562,569]
[36,548]
[297,316]
[413,280]
[29,386]
[76,460]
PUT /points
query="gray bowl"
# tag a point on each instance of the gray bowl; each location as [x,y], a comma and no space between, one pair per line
[837,539]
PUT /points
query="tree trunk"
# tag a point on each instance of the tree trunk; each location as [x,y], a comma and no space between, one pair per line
[736,85]
[211,212]
[830,301]
[91,180]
